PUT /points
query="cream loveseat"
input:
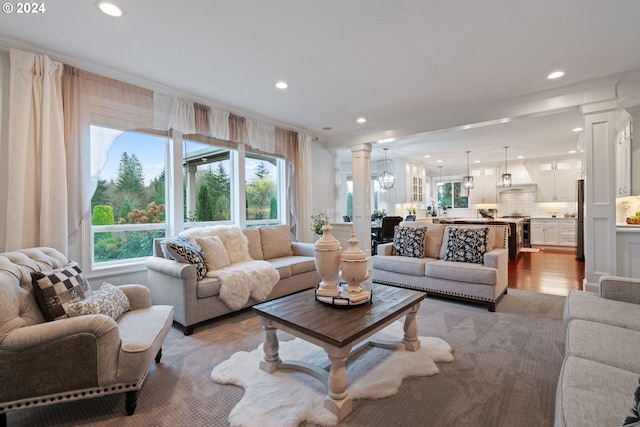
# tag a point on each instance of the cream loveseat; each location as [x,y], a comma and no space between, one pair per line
[226,269]
[458,260]
[48,357]
[601,367]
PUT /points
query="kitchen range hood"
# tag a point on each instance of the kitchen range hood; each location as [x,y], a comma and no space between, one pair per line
[520,179]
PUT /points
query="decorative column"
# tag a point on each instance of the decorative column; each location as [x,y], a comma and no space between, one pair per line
[635,148]
[361,160]
[600,195]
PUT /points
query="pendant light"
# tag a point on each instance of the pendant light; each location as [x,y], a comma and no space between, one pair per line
[440,184]
[467,181]
[386,179]
[506,177]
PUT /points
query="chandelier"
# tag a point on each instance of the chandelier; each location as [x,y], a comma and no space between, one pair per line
[506,177]
[386,179]
[467,181]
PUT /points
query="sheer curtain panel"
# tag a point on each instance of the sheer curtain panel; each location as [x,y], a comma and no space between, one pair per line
[37,183]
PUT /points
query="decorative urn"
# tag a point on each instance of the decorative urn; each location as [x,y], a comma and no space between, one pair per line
[353,265]
[327,261]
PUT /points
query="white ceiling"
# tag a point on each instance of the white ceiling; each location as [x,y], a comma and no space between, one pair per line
[408,66]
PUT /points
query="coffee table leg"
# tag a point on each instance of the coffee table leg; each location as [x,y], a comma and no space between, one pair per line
[271,359]
[410,340]
[338,401]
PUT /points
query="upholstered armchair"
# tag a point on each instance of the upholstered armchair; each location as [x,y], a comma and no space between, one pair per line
[45,361]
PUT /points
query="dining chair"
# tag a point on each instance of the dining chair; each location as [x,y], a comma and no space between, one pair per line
[346,218]
[386,232]
[410,218]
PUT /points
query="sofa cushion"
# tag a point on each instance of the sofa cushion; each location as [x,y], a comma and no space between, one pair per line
[593,394]
[404,265]
[109,300]
[255,244]
[276,241]
[55,290]
[603,343]
[409,241]
[462,272]
[589,306]
[213,252]
[282,265]
[467,245]
[183,251]
[234,240]
[209,286]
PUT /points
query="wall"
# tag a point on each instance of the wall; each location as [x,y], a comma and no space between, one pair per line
[4,120]
[325,182]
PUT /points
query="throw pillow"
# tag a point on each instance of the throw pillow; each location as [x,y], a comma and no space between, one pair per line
[467,244]
[109,300]
[183,251]
[276,241]
[634,420]
[432,237]
[213,251]
[235,243]
[55,290]
[408,241]
[255,245]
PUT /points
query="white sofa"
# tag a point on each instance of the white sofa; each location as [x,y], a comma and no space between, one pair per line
[601,367]
[264,255]
[435,268]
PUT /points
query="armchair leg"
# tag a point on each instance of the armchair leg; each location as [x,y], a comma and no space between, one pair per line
[131,401]
[159,355]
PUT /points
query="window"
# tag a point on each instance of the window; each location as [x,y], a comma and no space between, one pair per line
[207,183]
[263,189]
[453,196]
[375,193]
[128,205]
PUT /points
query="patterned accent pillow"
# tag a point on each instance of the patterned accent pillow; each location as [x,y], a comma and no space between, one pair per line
[54,290]
[183,251]
[467,244]
[408,241]
[109,300]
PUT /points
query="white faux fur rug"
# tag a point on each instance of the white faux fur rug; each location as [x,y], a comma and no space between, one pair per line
[288,398]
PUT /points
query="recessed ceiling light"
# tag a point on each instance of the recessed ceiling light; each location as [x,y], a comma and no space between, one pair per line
[576,130]
[427,156]
[572,151]
[282,85]
[476,161]
[439,161]
[361,120]
[555,75]
[110,8]
[521,157]
[383,141]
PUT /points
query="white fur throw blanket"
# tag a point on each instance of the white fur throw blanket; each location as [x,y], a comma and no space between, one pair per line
[255,279]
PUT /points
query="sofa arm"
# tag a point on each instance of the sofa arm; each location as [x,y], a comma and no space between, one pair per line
[104,328]
[303,249]
[619,288]
[497,258]
[171,267]
[139,296]
[384,248]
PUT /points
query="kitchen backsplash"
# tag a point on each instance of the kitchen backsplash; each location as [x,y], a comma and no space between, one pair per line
[523,202]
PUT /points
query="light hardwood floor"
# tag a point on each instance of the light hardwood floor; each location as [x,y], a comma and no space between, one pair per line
[549,271]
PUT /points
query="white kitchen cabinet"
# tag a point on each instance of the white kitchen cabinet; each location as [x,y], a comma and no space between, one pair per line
[544,231]
[623,161]
[416,183]
[567,232]
[556,181]
[484,187]
[553,232]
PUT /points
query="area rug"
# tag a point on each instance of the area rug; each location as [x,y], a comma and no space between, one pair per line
[289,398]
[529,249]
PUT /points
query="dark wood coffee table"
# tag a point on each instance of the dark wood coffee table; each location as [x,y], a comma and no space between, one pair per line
[337,331]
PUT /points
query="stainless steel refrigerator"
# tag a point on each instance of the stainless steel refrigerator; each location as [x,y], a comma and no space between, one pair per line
[580,221]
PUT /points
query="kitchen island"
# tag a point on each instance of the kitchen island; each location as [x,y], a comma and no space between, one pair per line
[518,230]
